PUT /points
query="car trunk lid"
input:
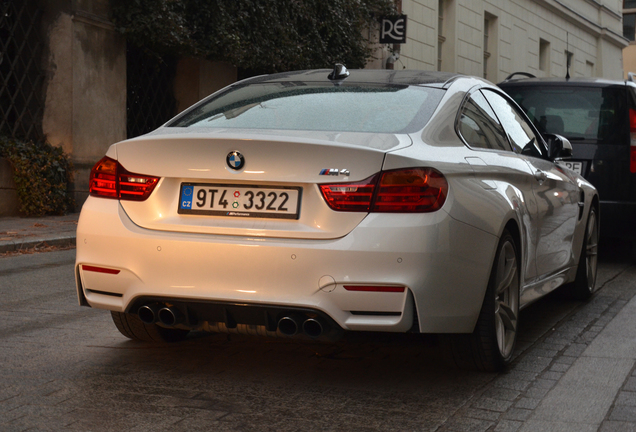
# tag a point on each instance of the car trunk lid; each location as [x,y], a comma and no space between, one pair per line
[293,162]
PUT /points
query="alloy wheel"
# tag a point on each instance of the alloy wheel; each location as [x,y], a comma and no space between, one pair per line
[506,299]
[591,250]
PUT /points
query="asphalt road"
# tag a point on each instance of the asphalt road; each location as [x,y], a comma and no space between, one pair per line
[65,367]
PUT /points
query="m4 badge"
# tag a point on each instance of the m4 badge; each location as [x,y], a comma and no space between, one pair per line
[334,172]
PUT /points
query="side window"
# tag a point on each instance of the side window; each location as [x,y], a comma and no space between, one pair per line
[520,133]
[479,126]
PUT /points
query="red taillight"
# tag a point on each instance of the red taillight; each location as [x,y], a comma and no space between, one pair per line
[416,190]
[412,190]
[350,196]
[632,133]
[110,180]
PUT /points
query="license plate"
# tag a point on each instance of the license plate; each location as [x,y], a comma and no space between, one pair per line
[577,167]
[239,201]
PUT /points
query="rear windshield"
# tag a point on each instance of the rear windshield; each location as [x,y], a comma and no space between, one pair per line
[578,113]
[317,107]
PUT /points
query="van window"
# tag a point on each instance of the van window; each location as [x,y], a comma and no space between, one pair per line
[578,113]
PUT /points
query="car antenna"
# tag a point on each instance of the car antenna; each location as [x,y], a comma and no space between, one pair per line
[338,73]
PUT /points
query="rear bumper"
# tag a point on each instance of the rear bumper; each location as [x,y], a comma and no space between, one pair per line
[443,264]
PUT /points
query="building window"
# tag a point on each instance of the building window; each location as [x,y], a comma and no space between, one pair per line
[491,39]
[568,64]
[629,4]
[486,50]
[440,35]
[544,56]
[629,25]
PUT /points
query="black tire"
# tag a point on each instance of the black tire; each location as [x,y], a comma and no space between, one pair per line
[491,345]
[132,327]
[583,286]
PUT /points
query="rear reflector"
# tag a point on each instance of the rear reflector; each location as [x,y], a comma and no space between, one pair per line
[100,269]
[412,190]
[632,133]
[374,288]
[111,180]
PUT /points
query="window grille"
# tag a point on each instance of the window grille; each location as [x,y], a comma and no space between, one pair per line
[21,98]
[150,98]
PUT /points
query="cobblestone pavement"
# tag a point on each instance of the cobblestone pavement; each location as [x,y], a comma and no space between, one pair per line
[67,368]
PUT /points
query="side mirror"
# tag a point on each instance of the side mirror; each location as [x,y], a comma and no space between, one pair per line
[559,146]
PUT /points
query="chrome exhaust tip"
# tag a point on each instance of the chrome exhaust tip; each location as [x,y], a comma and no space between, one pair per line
[148,313]
[288,326]
[312,328]
[170,316]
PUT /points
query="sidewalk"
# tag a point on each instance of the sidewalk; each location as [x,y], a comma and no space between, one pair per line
[18,233]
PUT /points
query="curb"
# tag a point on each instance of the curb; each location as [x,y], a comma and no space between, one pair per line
[23,244]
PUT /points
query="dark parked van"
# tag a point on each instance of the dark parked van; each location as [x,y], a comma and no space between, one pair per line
[598,116]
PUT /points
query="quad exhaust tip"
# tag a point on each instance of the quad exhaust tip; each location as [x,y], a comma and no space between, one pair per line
[155,312]
[170,316]
[290,326]
[148,313]
[312,328]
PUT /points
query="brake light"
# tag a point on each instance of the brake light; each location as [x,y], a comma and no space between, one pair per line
[350,196]
[111,180]
[632,134]
[416,190]
[412,190]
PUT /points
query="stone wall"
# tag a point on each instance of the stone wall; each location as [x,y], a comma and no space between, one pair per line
[85,109]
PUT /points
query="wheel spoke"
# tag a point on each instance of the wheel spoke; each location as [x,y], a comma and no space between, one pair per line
[501,333]
[510,269]
[507,316]
[506,299]
[591,226]
[591,251]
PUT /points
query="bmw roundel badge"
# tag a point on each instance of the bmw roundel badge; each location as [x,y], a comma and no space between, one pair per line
[235,160]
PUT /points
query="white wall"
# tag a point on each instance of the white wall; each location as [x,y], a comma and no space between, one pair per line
[590,29]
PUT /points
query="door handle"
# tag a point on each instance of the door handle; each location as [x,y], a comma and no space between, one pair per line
[540,176]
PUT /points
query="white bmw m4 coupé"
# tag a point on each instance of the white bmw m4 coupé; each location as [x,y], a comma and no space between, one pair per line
[316,202]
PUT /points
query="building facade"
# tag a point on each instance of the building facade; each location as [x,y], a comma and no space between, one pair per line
[629,32]
[494,38]
[89,95]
